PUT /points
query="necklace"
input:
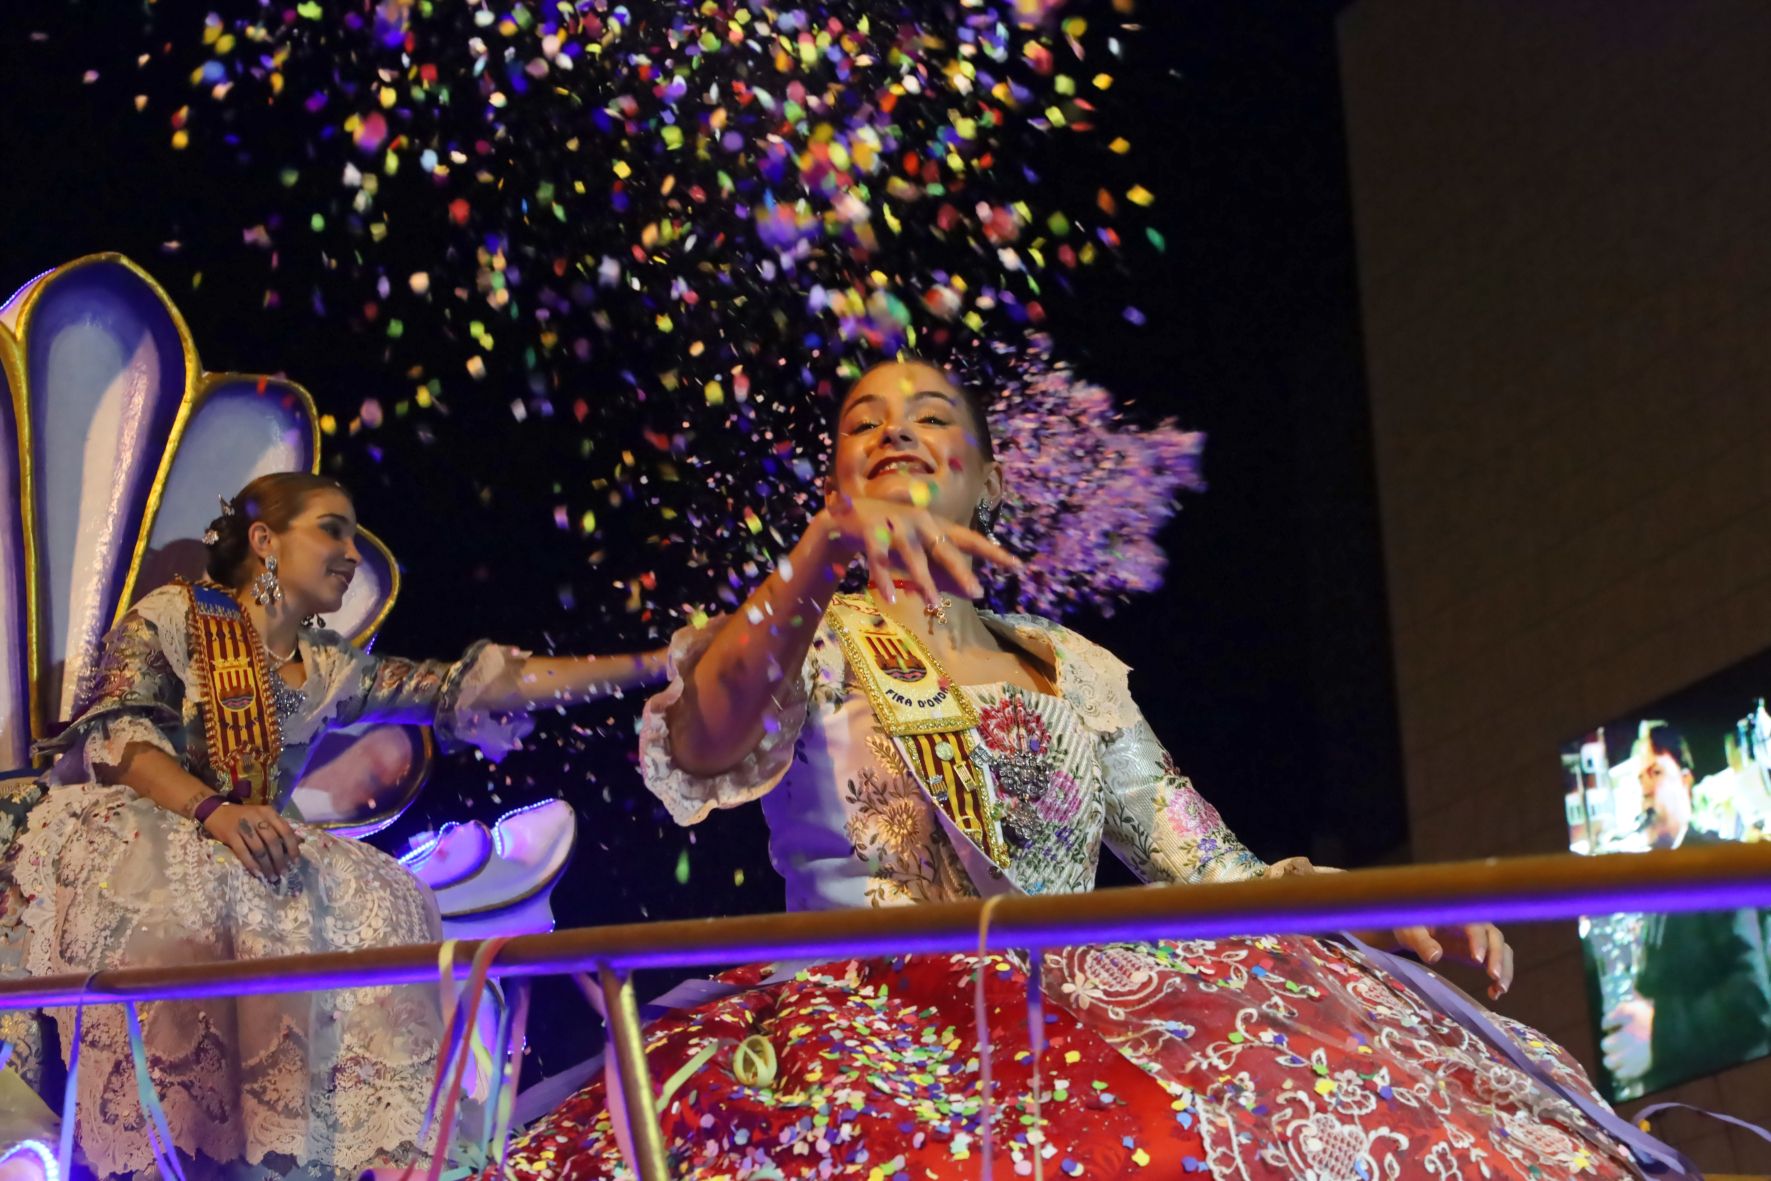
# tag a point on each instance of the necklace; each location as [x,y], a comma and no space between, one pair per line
[286,698]
[935,612]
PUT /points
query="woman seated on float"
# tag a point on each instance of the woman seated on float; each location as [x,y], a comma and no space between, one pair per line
[163,834]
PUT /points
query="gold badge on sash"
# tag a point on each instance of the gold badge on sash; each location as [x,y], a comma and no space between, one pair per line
[932,725]
[239,718]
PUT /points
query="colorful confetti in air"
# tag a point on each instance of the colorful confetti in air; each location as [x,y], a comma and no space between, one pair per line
[685,226]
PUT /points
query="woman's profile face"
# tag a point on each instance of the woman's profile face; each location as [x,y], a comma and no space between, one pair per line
[317,554]
[906,434]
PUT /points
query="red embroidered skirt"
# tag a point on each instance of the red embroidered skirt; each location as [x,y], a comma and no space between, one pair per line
[1245,1058]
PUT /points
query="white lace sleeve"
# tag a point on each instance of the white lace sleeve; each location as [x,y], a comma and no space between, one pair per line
[1159,825]
[1156,822]
[106,740]
[691,797]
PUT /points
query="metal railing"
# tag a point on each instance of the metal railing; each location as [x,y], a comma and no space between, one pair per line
[1719,877]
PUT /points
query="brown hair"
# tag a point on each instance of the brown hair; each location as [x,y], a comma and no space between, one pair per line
[276,498]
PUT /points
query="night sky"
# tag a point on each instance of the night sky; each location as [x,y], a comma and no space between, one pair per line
[1263,662]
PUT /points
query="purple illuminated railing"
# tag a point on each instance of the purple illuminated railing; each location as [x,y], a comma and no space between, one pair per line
[1714,877]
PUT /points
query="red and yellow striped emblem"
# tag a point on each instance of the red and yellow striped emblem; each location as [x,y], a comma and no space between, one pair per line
[893,658]
[239,719]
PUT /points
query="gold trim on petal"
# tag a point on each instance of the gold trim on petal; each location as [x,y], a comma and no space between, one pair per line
[206,385]
[34,590]
[393,587]
[12,363]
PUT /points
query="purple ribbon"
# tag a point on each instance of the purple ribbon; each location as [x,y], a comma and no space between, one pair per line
[64,1156]
[164,1148]
[1654,1109]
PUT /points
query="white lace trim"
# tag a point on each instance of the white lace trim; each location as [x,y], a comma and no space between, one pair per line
[493,673]
[166,608]
[103,744]
[112,879]
[688,797]
[331,667]
[34,873]
[1093,680]
[329,658]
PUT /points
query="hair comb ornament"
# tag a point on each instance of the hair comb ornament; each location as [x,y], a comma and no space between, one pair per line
[210,537]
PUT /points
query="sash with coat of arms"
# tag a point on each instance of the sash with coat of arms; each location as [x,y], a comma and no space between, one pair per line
[240,722]
[933,725]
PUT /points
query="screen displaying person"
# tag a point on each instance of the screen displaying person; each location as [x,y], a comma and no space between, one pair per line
[1703,991]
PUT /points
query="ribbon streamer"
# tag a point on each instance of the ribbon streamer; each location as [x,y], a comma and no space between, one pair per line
[1036,1044]
[458,1049]
[467,1016]
[512,1074]
[64,1155]
[980,1013]
[159,1131]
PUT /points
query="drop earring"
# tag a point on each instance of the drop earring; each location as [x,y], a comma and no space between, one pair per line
[266,589]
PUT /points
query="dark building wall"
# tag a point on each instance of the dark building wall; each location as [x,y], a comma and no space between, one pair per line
[1563,213]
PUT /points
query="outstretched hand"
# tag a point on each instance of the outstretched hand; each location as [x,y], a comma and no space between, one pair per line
[1480,945]
[891,535]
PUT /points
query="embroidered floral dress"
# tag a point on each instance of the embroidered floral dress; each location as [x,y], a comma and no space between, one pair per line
[96,877]
[1231,1058]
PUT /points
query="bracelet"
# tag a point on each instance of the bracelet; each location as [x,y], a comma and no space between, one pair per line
[207,808]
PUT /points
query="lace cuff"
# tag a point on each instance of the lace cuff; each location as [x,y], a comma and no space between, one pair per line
[100,738]
[485,670]
[691,797]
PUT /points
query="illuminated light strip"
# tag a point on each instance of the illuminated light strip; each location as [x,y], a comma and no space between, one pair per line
[419,854]
[498,827]
[1560,886]
[44,1154]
